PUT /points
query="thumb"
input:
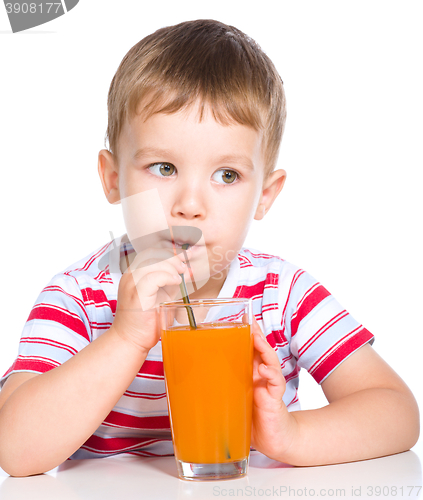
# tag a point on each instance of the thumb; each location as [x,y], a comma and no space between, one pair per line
[255,328]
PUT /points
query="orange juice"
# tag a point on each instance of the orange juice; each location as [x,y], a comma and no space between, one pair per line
[209,385]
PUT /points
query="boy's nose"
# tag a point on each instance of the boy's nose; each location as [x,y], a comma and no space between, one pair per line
[189,203]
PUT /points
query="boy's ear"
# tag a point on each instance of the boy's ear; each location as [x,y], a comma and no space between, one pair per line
[272,186]
[108,172]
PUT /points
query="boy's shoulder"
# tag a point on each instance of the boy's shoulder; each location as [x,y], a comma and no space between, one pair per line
[254,260]
[272,271]
[97,265]
[253,256]
[97,271]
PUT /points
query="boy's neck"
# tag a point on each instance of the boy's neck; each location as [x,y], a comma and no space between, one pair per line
[212,288]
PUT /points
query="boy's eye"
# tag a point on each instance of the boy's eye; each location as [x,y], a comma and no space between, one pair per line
[162,169]
[227,176]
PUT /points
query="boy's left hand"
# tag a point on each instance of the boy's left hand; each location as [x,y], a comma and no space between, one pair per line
[274,428]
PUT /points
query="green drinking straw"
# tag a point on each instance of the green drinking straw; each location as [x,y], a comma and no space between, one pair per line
[184,292]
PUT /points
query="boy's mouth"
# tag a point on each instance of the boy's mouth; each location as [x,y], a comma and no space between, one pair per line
[183,244]
[186,238]
[194,249]
[184,235]
[188,248]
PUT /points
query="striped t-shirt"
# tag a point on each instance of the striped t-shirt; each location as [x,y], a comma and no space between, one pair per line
[302,321]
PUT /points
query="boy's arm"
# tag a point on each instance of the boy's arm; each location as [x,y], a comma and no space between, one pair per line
[48,417]
[371,413]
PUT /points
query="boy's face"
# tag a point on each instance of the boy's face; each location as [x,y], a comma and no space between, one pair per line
[207,175]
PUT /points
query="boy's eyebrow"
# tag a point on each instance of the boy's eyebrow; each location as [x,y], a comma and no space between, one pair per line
[150,151]
[240,159]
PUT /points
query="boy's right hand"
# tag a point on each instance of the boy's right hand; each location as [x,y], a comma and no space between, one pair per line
[152,278]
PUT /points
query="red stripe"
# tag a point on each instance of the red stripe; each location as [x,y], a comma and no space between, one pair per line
[322,330]
[100,326]
[276,338]
[271,340]
[50,313]
[102,445]
[269,307]
[334,346]
[249,291]
[106,280]
[99,298]
[144,453]
[150,377]
[232,317]
[294,399]
[144,395]
[152,368]
[243,259]
[284,360]
[94,257]
[263,255]
[76,299]
[53,343]
[133,422]
[307,305]
[38,364]
[293,374]
[294,280]
[340,353]
[104,276]
[272,280]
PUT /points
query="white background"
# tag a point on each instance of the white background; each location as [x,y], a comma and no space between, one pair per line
[351,209]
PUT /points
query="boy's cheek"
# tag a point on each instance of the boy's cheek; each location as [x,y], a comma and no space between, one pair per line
[144,215]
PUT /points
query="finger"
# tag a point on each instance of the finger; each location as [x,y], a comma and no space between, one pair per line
[272,374]
[267,368]
[274,381]
[264,350]
[150,284]
[256,328]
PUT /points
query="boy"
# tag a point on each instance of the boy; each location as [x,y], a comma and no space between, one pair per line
[196,116]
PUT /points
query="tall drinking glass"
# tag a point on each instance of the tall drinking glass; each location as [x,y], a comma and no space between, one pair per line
[209,383]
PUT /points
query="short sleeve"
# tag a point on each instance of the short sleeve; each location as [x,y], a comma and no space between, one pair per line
[57,328]
[323,334]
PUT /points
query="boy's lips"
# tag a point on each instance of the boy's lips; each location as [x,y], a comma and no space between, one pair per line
[184,235]
[183,245]
[190,251]
[180,244]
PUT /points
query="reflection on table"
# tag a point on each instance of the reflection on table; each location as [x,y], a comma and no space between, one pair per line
[129,477]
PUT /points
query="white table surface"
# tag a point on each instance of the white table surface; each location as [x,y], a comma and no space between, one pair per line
[129,477]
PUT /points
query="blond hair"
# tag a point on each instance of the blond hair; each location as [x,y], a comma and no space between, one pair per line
[205,61]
